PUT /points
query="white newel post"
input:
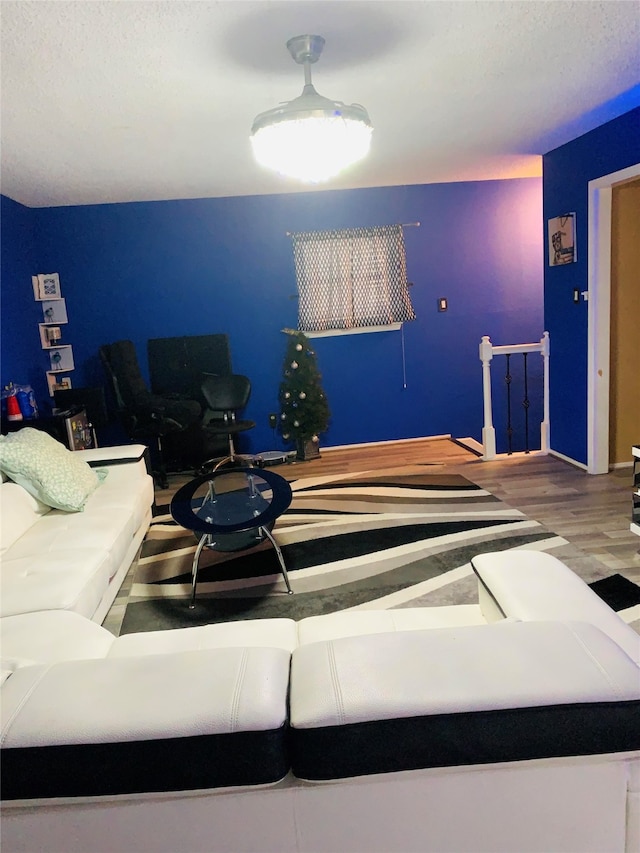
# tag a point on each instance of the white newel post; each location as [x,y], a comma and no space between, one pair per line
[544,426]
[488,431]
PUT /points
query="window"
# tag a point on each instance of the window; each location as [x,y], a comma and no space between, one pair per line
[351,278]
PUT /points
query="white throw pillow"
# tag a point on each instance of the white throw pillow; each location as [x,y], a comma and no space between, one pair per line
[46,469]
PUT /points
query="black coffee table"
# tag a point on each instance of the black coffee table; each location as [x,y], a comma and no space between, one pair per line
[232,509]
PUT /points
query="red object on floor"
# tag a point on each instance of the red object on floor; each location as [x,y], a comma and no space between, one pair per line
[13,409]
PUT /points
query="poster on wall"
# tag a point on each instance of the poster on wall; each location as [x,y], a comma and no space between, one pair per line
[562,239]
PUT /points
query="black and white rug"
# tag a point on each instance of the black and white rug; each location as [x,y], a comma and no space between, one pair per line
[399,537]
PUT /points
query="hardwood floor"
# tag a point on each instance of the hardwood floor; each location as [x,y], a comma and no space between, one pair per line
[591,512]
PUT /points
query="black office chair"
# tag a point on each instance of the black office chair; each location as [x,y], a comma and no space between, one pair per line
[146,417]
[236,512]
[225,397]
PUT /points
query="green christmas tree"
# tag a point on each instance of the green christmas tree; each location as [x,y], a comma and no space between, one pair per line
[304,411]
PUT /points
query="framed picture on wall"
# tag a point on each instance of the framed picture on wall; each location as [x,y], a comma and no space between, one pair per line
[49,285]
[562,240]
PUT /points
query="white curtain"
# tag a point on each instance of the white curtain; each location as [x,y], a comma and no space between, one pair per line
[351,278]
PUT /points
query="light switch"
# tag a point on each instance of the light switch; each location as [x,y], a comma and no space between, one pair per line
[442,303]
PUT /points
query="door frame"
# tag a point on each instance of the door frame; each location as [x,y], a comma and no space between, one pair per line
[599,316]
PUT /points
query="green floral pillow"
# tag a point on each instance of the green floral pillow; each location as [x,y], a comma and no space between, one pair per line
[46,469]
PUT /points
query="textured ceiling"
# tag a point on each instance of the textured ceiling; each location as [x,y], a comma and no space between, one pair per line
[127,101]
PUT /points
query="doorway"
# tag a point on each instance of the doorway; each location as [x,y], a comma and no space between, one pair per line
[624,380]
[599,316]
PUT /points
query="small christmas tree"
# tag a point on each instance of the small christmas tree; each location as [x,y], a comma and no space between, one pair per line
[304,411]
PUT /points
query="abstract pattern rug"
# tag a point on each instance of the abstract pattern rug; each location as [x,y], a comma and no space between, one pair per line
[400,537]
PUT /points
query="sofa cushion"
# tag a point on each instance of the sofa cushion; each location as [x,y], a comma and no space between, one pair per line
[460,696]
[264,633]
[197,719]
[46,469]
[73,579]
[90,530]
[19,511]
[351,623]
[128,487]
[50,636]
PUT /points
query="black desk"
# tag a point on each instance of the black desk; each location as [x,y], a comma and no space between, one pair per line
[70,427]
[176,365]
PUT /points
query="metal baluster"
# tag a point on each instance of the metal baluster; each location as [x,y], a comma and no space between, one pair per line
[507,380]
[526,405]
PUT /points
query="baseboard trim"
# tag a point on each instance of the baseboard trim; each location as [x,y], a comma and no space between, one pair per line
[380,443]
[568,459]
[516,454]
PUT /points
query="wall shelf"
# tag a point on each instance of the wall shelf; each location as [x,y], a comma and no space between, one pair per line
[54,311]
[51,335]
[46,291]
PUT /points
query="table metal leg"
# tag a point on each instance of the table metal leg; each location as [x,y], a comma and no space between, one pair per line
[204,540]
[280,558]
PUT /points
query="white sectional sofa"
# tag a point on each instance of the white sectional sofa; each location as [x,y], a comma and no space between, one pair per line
[508,725]
[61,560]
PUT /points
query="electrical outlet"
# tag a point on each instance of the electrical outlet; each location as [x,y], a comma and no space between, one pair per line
[273,420]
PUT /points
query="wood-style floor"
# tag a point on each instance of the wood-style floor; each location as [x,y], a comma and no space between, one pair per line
[591,512]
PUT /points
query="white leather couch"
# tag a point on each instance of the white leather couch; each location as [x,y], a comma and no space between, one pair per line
[55,560]
[509,725]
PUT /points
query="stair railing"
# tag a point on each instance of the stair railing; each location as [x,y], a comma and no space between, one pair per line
[487,352]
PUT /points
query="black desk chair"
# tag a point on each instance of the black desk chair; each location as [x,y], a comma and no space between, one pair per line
[226,397]
[236,511]
[145,416]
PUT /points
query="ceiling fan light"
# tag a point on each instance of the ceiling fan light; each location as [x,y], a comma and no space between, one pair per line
[312,149]
[310,138]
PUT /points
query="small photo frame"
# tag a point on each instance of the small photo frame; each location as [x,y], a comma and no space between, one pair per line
[562,240]
[49,285]
[53,335]
[63,384]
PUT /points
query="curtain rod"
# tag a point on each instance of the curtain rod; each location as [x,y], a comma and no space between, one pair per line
[402,225]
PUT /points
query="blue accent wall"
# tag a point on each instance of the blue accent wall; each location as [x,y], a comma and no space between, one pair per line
[194,267]
[22,359]
[566,173]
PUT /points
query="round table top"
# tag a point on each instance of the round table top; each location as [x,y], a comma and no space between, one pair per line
[231,500]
